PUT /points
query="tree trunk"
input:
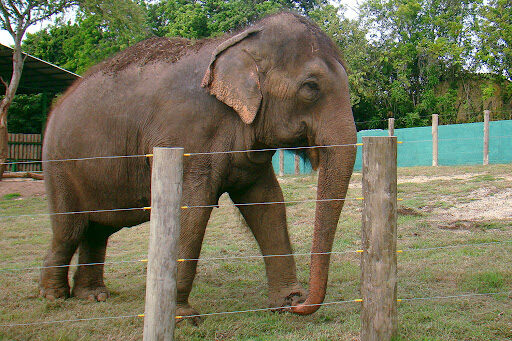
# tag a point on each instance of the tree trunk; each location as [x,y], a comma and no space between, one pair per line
[4,138]
[10,91]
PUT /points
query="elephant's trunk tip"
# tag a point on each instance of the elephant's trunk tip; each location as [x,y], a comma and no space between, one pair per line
[305,308]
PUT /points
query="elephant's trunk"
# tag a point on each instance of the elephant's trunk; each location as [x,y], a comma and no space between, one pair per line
[336,165]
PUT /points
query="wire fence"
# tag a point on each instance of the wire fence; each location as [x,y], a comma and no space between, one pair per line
[191,154]
[284,308]
[14,268]
[230,258]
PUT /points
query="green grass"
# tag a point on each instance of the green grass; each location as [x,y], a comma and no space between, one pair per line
[11,196]
[241,285]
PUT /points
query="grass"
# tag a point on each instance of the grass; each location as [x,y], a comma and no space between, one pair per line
[241,285]
[11,196]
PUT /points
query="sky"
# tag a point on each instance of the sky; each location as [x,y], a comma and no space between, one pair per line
[6,39]
[351,6]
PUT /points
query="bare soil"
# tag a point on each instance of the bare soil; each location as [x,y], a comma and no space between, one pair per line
[24,187]
[485,204]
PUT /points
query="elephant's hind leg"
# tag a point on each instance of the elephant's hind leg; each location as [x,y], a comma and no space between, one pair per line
[88,279]
[67,233]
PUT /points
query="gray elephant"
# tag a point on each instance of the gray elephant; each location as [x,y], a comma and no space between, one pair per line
[279,83]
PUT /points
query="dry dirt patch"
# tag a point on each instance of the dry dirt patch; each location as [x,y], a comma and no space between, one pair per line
[486,204]
[24,187]
[425,178]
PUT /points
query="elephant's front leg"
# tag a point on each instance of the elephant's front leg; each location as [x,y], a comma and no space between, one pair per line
[268,224]
[193,225]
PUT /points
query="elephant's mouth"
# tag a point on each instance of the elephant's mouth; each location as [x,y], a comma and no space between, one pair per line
[257,156]
[313,153]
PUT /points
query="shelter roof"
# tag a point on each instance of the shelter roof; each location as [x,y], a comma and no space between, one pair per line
[38,76]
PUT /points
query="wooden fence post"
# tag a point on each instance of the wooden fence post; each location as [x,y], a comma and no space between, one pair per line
[166,184]
[378,260]
[435,140]
[297,164]
[487,114]
[391,126]
[281,162]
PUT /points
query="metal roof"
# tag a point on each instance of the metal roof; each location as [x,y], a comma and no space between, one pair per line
[38,76]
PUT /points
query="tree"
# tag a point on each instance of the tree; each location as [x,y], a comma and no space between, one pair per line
[423,44]
[26,114]
[16,16]
[89,40]
[495,36]
[201,19]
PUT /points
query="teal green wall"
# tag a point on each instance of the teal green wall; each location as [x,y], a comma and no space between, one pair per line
[289,163]
[459,144]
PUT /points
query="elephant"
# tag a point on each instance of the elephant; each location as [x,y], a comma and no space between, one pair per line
[281,82]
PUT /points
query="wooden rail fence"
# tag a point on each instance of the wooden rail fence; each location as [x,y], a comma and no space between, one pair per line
[25,148]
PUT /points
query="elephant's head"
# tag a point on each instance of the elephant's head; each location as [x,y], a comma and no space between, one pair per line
[285,79]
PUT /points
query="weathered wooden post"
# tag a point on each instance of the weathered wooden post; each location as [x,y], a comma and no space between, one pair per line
[487,114]
[297,164]
[166,183]
[391,126]
[435,140]
[378,260]
[281,162]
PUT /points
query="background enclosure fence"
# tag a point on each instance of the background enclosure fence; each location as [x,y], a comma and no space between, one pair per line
[25,148]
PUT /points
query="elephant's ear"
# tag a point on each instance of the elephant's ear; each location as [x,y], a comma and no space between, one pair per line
[232,77]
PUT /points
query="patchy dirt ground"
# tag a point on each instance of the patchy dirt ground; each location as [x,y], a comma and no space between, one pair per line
[24,187]
[486,204]
[451,215]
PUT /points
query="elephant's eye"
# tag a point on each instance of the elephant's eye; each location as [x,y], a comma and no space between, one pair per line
[309,91]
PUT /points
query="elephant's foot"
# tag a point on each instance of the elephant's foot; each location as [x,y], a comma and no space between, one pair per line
[287,297]
[99,293]
[188,314]
[52,294]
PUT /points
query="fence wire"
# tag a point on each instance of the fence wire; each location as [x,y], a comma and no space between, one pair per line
[228,258]
[285,308]
[232,151]
[467,295]
[186,154]
[183,207]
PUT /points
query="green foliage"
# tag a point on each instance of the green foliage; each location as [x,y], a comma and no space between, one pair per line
[200,19]
[406,59]
[106,28]
[495,35]
[420,45]
[25,114]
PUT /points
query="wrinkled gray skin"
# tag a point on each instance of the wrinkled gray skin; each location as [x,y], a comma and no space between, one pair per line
[280,83]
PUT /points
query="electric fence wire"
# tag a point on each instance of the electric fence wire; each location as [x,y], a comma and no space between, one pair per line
[228,258]
[285,308]
[183,207]
[237,151]
[233,257]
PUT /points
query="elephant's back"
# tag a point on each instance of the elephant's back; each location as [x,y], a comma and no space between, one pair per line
[88,114]
[117,100]
[168,50]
